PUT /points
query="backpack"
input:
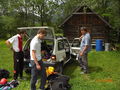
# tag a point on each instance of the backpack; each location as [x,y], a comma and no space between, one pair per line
[9,85]
[58,82]
[4,73]
[14,83]
[5,88]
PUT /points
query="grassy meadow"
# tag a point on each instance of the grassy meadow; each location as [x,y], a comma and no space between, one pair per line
[104,70]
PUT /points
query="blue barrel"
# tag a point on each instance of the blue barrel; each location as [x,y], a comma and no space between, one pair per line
[99,45]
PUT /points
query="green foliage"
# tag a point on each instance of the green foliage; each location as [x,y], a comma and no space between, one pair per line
[19,13]
[7,25]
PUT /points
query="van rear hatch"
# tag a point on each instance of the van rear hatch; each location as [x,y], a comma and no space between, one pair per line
[32,31]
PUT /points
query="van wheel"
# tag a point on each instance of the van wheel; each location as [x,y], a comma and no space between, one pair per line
[60,68]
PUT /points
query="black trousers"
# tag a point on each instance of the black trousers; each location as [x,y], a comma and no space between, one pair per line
[18,64]
[35,73]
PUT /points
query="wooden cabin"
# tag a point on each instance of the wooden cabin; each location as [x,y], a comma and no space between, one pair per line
[98,27]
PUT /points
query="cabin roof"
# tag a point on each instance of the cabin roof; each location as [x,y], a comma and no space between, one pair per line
[83,10]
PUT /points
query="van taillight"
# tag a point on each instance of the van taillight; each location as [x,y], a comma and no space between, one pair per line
[53,57]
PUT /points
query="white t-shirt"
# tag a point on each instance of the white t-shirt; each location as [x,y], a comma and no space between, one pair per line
[15,43]
[35,45]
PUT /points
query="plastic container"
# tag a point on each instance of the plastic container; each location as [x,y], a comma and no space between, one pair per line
[99,45]
[107,46]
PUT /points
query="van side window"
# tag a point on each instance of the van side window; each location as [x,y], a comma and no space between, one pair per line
[66,44]
[60,45]
[76,43]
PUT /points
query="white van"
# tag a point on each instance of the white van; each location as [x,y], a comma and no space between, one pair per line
[57,48]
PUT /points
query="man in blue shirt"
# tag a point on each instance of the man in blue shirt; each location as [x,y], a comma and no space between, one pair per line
[85,47]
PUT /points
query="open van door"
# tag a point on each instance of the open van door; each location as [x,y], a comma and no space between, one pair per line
[67,50]
[32,31]
[75,47]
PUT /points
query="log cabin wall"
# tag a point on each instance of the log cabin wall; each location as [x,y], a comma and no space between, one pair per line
[84,16]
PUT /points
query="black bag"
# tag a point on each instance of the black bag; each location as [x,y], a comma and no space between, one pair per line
[14,83]
[9,85]
[58,82]
[4,73]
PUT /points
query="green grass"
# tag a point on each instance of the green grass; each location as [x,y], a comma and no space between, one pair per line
[102,66]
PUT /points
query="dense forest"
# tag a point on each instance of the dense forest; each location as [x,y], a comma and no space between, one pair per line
[20,13]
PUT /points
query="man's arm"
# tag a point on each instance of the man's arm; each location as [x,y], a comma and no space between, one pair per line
[10,41]
[80,38]
[35,60]
[84,49]
[9,44]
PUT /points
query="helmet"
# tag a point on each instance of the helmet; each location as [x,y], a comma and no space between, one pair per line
[50,70]
[3,81]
